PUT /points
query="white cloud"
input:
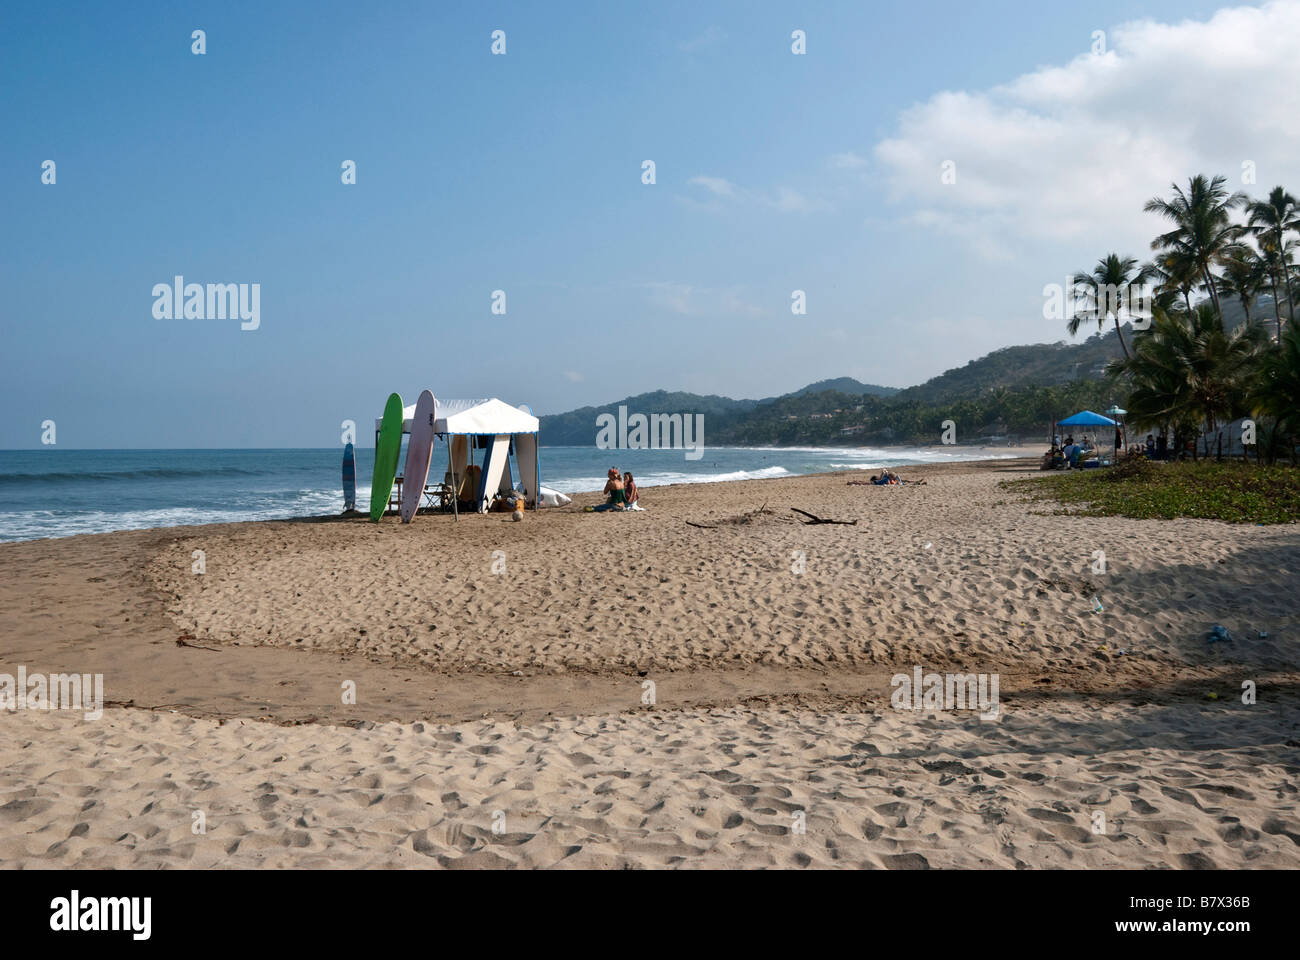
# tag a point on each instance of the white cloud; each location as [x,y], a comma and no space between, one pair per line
[792,201]
[847,161]
[692,301]
[572,376]
[783,199]
[1071,153]
[715,185]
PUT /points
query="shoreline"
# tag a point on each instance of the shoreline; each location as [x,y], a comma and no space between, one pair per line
[996,454]
[525,692]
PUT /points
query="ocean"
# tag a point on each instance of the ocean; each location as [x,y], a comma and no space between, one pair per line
[60,493]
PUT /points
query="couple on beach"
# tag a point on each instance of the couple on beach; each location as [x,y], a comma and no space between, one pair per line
[887,478]
[622,492]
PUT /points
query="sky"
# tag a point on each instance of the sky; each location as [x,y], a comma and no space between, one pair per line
[523,171]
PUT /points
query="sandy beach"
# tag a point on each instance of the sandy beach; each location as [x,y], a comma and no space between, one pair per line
[704,684]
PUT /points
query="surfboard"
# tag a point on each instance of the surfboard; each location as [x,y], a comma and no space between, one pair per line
[389,446]
[496,465]
[349,478]
[419,451]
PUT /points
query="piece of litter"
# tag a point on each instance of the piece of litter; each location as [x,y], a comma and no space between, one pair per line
[927,546]
[1219,633]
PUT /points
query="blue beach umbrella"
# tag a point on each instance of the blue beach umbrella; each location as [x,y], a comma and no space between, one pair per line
[1086,418]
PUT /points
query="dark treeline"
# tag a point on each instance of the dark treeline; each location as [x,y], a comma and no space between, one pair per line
[1191,373]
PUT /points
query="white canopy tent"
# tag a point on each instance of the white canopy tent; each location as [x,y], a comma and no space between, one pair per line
[498,426]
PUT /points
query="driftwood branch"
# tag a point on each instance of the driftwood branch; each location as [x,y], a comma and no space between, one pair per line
[813,519]
[184,641]
[744,518]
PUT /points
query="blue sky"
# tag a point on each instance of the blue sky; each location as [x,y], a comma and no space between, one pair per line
[522,172]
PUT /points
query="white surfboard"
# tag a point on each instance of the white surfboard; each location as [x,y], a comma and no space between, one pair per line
[419,451]
[495,470]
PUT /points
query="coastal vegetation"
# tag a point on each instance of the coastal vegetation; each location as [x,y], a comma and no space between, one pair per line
[1143,490]
[1214,344]
[1194,373]
[1016,391]
[1191,372]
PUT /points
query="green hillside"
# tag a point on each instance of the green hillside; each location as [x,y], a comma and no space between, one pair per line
[845,385]
[1014,392]
[578,427]
[1037,364]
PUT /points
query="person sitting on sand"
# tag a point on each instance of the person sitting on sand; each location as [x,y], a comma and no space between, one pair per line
[630,493]
[615,489]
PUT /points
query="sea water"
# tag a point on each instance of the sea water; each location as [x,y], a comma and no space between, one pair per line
[59,493]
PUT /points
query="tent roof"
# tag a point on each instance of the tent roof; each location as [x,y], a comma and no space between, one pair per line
[487,416]
[1087,418]
[482,416]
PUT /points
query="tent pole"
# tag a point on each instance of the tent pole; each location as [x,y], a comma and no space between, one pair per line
[455,488]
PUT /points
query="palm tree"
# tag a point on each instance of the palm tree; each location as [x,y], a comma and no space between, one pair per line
[1269,220]
[1244,276]
[1280,262]
[1276,392]
[1203,228]
[1175,276]
[1188,371]
[1157,389]
[1106,292]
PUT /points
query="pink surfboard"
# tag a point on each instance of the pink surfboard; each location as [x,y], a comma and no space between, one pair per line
[419,451]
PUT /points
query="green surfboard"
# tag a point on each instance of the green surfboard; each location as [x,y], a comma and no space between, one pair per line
[389,446]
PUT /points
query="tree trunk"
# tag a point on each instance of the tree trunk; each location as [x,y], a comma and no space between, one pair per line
[1286,278]
[1209,283]
[1120,333]
[1277,307]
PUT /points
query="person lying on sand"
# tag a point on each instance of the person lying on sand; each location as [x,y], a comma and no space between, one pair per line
[887,478]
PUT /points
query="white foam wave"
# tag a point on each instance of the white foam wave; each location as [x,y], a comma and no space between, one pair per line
[36,524]
[664,477]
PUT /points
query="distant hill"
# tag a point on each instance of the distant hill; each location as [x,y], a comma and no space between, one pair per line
[1015,391]
[1012,392]
[578,427]
[1036,364]
[845,385]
